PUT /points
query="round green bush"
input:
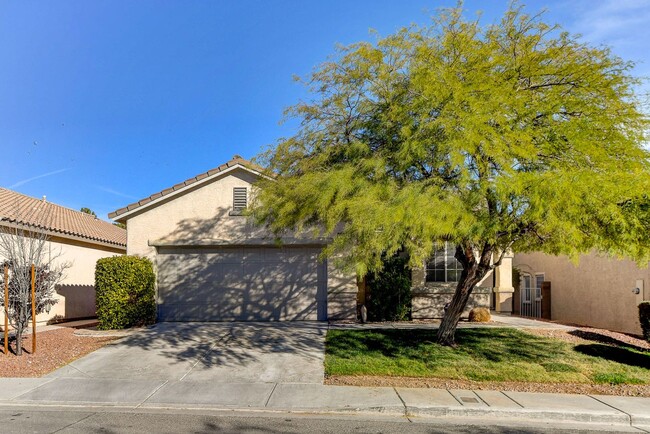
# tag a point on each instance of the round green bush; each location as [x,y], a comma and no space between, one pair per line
[390,291]
[125,292]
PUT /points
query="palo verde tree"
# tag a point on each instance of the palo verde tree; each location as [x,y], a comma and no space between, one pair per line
[20,247]
[491,138]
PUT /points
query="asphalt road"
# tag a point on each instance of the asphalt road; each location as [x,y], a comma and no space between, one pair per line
[111,420]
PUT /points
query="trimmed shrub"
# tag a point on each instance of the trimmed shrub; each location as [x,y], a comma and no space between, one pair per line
[644,319]
[479,314]
[390,291]
[125,292]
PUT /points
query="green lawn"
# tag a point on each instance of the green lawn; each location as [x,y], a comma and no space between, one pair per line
[483,354]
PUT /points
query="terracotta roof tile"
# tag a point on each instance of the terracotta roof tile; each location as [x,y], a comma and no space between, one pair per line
[19,209]
[235,161]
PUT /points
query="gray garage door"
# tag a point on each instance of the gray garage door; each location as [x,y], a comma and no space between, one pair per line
[241,283]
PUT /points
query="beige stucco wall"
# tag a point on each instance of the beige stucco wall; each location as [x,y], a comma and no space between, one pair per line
[76,291]
[201,216]
[341,293]
[429,298]
[598,292]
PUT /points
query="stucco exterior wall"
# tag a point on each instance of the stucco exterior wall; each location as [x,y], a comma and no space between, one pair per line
[76,291]
[341,293]
[201,216]
[598,292]
[429,298]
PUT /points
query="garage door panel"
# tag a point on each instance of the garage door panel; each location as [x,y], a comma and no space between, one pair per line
[282,291]
[265,283]
[199,311]
[212,282]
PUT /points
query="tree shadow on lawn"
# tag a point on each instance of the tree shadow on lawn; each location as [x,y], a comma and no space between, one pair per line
[615,354]
[498,345]
[490,344]
[597,337]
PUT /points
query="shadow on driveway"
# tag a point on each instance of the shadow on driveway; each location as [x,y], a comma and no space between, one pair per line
[220,352]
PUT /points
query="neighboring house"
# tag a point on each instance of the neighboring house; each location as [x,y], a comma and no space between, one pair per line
[213,264]
[81,239]
[599,291]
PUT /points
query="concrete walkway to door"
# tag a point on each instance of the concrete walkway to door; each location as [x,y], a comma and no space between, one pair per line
[288,352]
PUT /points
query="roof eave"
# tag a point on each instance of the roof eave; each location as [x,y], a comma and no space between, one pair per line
[65,235]
[122,217]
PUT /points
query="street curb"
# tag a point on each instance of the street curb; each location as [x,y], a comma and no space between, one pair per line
[488,414]
[523,414]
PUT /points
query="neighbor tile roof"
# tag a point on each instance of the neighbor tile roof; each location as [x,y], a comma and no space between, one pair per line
[19,209]
[236,160]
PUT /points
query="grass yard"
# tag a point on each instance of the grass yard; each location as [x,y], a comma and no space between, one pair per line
[484,355]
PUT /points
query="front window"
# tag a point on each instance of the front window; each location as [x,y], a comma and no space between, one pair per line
[443,266]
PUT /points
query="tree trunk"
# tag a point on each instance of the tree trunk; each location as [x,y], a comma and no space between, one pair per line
[447,329]
[473,272]
[19,339]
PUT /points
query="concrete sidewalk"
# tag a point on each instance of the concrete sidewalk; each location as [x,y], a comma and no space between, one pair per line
[320,399]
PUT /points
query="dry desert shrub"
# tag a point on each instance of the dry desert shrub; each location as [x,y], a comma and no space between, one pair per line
[479,314]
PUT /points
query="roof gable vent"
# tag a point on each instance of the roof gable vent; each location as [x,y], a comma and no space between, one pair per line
[240,199]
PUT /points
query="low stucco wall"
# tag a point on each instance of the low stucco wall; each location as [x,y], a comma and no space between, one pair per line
[75,301]
[429,301]
[597,292]
[430,298]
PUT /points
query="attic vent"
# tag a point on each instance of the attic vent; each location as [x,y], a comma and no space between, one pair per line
[239,202]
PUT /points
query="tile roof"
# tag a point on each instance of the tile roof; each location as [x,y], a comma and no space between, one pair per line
[19,209]
[236,160]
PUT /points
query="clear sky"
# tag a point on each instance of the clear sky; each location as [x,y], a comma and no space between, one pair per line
[105,102]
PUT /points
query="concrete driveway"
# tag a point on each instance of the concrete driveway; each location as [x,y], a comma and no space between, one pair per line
[290,352]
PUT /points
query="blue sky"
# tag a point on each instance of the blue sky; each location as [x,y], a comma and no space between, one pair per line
[106,102]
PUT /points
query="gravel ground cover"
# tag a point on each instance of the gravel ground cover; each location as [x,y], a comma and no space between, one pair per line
[54,349]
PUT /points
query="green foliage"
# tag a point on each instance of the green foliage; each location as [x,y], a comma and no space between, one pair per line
[644,319]
[125,292]
[390,291]
[516,135]
[88,211]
